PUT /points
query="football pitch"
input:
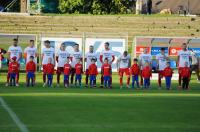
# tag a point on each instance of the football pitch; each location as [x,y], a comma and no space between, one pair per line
[73,109]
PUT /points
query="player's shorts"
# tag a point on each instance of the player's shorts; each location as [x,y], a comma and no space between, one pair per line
[180,69]
[50,76]
[78,76]
[92,77]
[13,75]
[44,67]
[124,70]
[66,77]
[30,74]
[73,71]
[140,73]
[160,73]
[87,72]
[60,70]
[194,67]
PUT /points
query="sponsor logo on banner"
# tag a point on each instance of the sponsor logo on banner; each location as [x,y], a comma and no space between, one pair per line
[173,51]
[118,46]
[140,49]
[156,50]
[196,50]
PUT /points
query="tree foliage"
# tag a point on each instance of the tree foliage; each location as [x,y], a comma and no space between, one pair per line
[97,6]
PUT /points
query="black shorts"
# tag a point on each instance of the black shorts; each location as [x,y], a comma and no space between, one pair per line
[194,67]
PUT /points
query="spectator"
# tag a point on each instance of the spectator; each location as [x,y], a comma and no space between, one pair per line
[195,64]
[149,7]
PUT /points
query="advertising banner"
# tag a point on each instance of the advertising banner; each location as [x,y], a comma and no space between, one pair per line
[156,50]
[118,46]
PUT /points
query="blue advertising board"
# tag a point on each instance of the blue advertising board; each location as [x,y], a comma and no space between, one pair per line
[156,50]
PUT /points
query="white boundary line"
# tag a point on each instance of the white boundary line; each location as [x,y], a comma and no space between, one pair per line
[13,115]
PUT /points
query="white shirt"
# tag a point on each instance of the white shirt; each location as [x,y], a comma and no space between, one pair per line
[107,54]
[184,56]
[47,53]
[75,55]
[62,57]
[143,58]
[162,60]
[15,51]
[194,58]
[30,51]
[124,61]
[90,56]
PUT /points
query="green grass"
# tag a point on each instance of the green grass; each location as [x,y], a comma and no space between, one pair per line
[86,110]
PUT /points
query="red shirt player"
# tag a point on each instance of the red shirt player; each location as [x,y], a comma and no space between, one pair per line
[185,75]
[146,74]
[13,66]
[50,69]
[31,66]
[106,71]
[30,70]
[167,73]
[13,70]
[78,71]
[93,69]
[93,73]
[109,54]
[135,71]
[67,71]
[79,68]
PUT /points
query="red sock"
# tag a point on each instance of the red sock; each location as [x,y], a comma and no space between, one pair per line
[141,80]
[86,79]
[26,78]
[179,80]
[121,81]
[101,79]
[128,81]
[8,77]
[44,78]
[58,78]
[17,78]
[34,79]
[159,81]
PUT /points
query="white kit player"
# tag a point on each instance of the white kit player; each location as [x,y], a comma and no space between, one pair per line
[109,54]
[77,54]
[16,51]
[184,56]
[88,57]
[161,60]
[143,58]
[31,50]
[123,66]
[61,57]
[47,52]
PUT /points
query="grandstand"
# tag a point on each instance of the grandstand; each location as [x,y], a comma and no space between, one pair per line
[154,25]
